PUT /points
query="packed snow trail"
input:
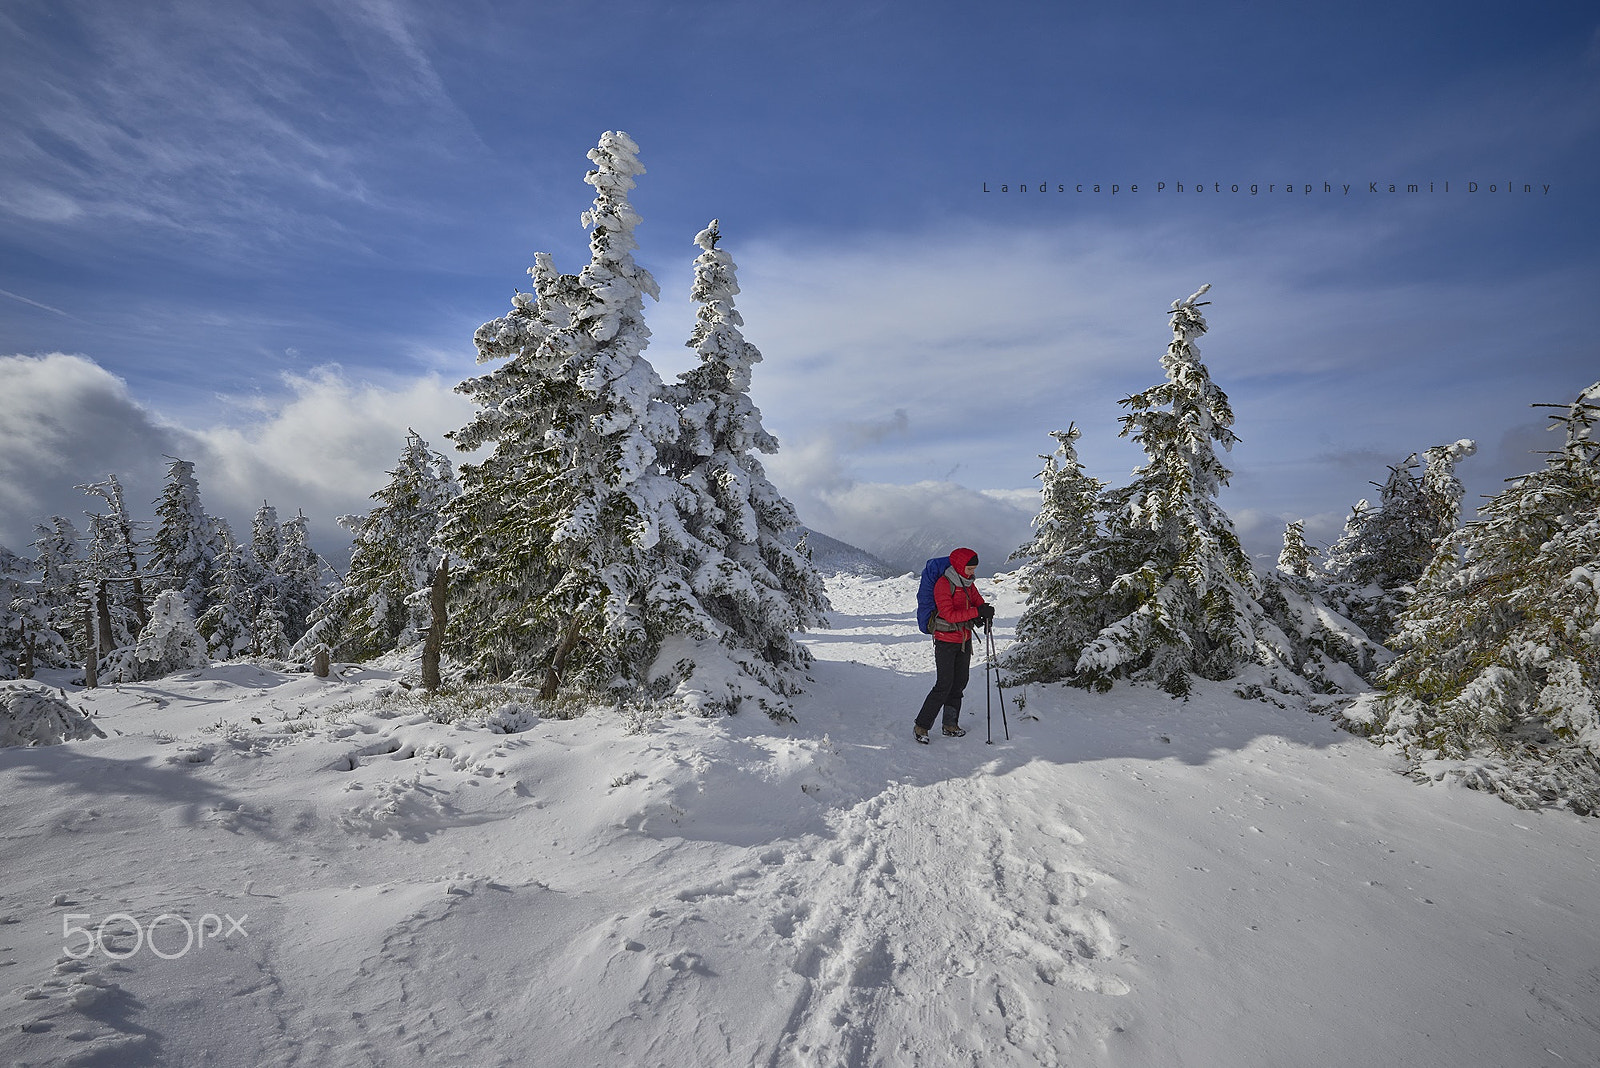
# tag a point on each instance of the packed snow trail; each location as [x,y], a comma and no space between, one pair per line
[1130,881]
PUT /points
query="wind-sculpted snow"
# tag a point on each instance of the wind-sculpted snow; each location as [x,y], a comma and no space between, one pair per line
[1129,880]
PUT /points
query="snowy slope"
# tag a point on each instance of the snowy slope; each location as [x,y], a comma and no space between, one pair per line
[830,556]
[1128,881]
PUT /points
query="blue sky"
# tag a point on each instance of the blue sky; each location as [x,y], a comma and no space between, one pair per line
[261,236]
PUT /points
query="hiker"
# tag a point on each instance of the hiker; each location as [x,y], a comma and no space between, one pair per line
[958,607]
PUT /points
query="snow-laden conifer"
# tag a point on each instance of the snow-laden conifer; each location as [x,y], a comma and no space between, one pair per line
[299,583]
[1296,558]
[726,583]
[56,591]
[553,527]
[236,592]
[30,634]
[113,565]
[169,642]
[1372,569]
[1500,646]
[1182,602]
[1064,568]
[382,603]
[266,537]
[184,548]
[1331,652]
[14,571]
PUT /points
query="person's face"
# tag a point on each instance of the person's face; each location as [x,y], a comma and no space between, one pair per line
[970,570]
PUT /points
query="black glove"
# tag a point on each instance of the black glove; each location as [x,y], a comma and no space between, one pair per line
[986,614]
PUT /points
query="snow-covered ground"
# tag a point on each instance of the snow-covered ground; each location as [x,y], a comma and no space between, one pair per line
[1129,880]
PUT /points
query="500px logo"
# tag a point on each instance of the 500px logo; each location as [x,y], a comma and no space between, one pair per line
[109,930]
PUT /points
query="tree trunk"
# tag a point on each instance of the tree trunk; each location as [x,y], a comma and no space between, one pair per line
[433,645]
[102,600]
[91,649]
[552,675]
[26,667]
[320,664]
[139,611]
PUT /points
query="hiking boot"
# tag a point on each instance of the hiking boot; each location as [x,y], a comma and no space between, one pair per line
[920,734]
[953,731]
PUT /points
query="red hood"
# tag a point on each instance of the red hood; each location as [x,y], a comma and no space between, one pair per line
[960,558]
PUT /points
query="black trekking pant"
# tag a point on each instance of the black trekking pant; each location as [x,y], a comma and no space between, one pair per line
[952,662]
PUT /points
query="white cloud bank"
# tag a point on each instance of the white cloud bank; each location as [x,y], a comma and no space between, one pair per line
[322,446]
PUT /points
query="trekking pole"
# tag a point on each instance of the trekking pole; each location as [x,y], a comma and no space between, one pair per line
[988,632]
[988,706]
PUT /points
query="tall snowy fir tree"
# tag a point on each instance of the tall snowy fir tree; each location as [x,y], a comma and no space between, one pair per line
[1500,647]
[1329,651]
[266,537]
[382,603]
[300,586]
[57,589]
[31,629]
[554,527]
[15,657]
[185,546]
[113,565]
[1296,559]
[1064,568]
[1183,600]
[235,596]
[1373,567]
[724,570]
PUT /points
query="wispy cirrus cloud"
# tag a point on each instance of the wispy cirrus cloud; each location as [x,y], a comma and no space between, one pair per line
[218,123]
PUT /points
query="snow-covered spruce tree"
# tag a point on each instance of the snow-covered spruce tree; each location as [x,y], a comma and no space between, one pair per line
[1296,558]
[723,571]
[185,546]
[56,591]
[169,642]
[1323,647]
[1500,646]
[15,660]
[1183,599]
[113,564]
[553,528]
[300,585]
[1064,569]
[29,634]
[1373,567]
[235,595]
[382,603]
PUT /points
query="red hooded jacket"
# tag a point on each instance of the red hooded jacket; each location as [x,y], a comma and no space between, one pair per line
[955,604]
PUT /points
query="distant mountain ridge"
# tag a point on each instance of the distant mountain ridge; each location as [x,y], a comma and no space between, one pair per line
[830,556]
[914,548]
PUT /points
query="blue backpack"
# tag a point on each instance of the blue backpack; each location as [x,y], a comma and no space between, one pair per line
[925,606]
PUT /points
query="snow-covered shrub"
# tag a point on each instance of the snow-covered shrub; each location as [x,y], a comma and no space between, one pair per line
[33,715]
[1500,646]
